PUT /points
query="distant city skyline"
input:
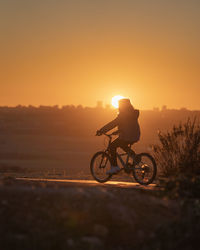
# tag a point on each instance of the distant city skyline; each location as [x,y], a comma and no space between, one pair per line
[99,104]
[78,52]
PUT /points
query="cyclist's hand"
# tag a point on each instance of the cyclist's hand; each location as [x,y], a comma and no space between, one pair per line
[115,132]
[98,133]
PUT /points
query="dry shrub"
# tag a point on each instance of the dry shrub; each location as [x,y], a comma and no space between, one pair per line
[179,150]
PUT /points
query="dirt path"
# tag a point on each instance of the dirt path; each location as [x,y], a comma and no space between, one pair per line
[86,183]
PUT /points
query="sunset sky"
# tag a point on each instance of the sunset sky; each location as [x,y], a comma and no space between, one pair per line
[81,51]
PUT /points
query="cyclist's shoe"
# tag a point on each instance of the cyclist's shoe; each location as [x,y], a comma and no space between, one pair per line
[113,170]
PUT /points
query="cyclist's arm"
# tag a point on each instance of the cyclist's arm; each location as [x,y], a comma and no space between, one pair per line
[109,126]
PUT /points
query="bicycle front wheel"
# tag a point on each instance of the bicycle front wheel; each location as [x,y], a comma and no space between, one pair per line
[99,165]
[145,170]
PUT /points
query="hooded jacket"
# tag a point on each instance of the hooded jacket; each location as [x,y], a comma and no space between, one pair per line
[127,123]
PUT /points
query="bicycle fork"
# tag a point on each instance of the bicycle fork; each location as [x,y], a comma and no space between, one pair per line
[102,162]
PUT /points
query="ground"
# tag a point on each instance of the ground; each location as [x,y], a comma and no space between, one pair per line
[60,215]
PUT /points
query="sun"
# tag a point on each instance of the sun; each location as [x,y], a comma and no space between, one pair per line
[115,100]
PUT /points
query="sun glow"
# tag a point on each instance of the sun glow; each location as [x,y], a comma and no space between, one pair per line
[115,100]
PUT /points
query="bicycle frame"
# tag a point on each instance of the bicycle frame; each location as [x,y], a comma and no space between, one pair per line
[124,163]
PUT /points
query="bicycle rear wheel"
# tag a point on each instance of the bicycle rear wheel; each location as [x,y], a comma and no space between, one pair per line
[145,171]
[99,165]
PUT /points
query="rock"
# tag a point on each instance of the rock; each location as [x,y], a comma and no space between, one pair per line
[92,241]
[70,242]
[100,230]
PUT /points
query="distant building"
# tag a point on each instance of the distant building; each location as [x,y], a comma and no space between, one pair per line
[164,107]
[183,109]
[99,104]
[108,106]
[156,109]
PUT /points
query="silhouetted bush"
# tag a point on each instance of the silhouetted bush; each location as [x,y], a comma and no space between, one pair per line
[179,150]
[182,187]
[178,158]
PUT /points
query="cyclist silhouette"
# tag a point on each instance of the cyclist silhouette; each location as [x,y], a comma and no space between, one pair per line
[128,130]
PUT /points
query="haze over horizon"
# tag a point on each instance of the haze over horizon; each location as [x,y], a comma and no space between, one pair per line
[79,52]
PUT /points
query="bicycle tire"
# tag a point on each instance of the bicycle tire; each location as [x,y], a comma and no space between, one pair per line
[154,167]
[101,155]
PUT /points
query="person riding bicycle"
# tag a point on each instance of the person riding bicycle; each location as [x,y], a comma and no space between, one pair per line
[128,130]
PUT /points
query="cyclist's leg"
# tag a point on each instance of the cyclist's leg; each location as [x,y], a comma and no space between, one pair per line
[126,148]
[112,149]
[122,144]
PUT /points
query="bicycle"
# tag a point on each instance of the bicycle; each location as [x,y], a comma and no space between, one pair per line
[142,166]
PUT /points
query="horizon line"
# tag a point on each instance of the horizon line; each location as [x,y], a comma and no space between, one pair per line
[107,106]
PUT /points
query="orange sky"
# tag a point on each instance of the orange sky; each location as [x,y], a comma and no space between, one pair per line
[80,51]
